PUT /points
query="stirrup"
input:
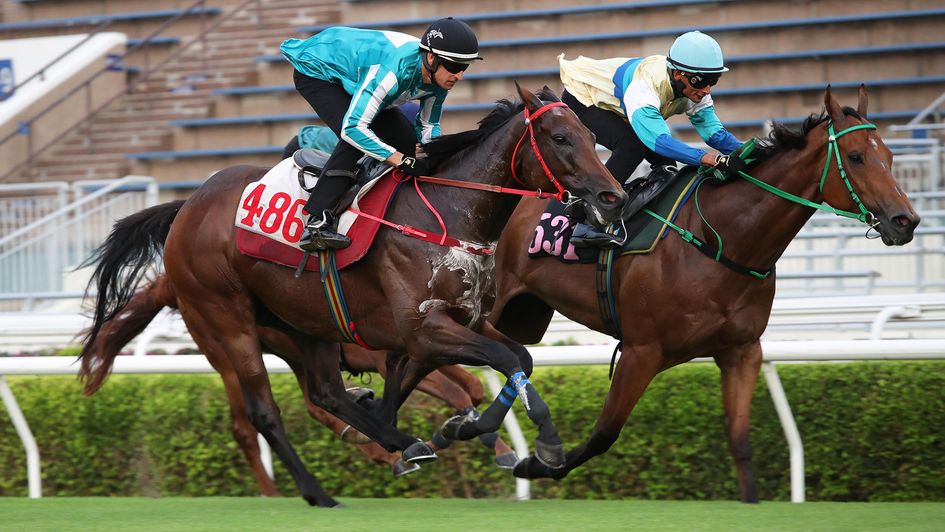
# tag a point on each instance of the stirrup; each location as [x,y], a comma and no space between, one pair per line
[320,235]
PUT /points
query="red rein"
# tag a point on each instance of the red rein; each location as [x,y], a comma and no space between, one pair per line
[477,249]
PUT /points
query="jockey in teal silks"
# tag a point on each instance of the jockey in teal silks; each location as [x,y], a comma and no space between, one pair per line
[354,79]
[625,102]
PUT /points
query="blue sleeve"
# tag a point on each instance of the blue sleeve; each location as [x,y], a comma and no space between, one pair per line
[649,125]
[710,128]
[427,125]
[375,92]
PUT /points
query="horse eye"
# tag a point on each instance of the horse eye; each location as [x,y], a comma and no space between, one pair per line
[559,139]
[855,157]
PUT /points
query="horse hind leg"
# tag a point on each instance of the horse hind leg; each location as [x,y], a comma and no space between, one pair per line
[231,335]
[243,430]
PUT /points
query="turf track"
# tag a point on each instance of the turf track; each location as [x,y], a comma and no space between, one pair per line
[383,515]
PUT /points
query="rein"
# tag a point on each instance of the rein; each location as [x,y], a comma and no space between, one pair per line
[833,148]
[833,151]
[443,238]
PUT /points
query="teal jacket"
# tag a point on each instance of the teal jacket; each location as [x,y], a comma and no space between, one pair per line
[380,69]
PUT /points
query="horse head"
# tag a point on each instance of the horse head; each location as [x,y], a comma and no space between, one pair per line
[858,173]
[566,152]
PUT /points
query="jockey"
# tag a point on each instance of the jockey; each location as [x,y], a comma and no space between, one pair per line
[354,79]
[625,102]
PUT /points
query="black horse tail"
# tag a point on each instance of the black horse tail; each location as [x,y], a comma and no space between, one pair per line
[122,261]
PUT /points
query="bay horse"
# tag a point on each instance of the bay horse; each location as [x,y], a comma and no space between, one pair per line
[455,386]
[406,295]
[674,304]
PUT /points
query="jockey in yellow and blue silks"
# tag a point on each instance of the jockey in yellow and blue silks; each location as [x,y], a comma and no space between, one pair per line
[625,102]
[354,79]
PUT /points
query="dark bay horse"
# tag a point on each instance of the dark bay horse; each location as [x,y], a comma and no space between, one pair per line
[405,295]
[675,304]
[455,386]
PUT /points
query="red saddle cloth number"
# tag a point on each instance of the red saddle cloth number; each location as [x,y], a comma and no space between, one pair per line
[280,225]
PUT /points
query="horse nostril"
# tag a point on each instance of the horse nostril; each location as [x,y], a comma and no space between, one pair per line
[902,221]
[607,198]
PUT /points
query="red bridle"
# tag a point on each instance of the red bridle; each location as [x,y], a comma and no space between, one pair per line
[443,239]
[529,130]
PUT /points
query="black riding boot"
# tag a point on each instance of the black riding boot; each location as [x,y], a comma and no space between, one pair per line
[321,231]
[589,236]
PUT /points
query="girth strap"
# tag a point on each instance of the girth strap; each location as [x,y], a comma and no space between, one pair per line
[334,293]
[606,302]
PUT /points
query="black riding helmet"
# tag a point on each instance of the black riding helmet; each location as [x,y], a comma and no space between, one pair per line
[451,40]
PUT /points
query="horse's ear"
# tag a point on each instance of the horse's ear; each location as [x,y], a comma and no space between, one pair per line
[833,108]
[863,100]
[532,103]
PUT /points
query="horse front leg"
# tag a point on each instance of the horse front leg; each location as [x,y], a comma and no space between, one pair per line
[326,389]
[740,367]
[450,343]
[635,370]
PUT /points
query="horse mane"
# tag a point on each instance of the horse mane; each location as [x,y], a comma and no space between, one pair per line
[441,148]
[783,137]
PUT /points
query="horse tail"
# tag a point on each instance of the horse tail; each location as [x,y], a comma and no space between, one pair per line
[122,261]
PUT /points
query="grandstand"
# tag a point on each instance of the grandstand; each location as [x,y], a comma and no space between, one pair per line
[200,85]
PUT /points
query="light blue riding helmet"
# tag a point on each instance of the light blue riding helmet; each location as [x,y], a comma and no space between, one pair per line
[696,52]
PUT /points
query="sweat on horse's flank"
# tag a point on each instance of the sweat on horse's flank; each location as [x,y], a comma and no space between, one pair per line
[220,513]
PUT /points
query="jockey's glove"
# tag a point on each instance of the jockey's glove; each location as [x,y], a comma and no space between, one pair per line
[730,165]
[415,167]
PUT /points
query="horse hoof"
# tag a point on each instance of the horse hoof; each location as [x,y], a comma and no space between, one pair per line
[507,460]
[401,468]
[550,455]
[524,469]
[359,394]
[419,453]
[453,427]
[354,436]
[322,501]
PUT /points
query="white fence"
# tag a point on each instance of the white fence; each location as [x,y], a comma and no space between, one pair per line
[51,228]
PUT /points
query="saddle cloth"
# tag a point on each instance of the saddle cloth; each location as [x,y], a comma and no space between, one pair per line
[552,237]
[270,219]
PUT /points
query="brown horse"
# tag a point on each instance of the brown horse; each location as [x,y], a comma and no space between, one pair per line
[674,304]
[405,295]
[455,386]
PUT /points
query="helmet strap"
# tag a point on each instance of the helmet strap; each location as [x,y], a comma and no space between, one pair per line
[677,85]
[431,66]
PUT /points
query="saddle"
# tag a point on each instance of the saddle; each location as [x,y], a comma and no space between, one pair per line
[664,192]
[269,218]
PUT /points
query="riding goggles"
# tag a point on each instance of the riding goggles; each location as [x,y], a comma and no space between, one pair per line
[453,67]
[701,81]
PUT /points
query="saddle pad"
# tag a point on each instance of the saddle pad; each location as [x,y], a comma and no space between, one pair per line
[270,219]
[553,233]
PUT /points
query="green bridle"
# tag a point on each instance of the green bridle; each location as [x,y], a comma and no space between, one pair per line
[833,150]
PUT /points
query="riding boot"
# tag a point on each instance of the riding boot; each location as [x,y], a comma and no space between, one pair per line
[321,231]
[641,194]
[587,236]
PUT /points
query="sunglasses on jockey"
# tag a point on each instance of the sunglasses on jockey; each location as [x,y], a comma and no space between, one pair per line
[453,67]
[702,80]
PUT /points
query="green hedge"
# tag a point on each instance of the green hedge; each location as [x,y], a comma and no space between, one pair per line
[872,432]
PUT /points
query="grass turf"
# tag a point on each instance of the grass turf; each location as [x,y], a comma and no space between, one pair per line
[286,514]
